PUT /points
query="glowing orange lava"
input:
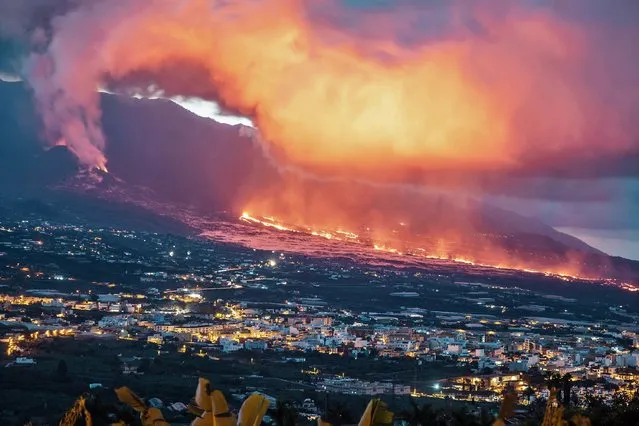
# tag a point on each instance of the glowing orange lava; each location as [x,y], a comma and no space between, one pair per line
[269,223]
[272,222]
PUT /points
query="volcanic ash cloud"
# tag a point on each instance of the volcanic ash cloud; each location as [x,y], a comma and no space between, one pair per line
[463,87]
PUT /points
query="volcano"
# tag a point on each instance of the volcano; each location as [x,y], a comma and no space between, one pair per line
[196,175]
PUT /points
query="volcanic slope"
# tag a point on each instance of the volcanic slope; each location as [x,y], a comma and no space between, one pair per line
[179,159]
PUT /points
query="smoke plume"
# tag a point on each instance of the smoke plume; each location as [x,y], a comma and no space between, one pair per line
[339,89]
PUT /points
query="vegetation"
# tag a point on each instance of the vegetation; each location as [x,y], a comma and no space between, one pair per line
[285,414]
[622,410]
[427,415]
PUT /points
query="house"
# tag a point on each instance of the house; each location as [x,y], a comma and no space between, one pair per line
[229,345]
[25,361]
[255,345]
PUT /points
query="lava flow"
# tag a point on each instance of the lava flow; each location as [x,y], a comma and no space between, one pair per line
[413,251]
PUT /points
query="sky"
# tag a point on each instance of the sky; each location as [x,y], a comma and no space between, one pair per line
[528,105]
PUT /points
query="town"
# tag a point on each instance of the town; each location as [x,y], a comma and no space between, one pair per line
[150,306]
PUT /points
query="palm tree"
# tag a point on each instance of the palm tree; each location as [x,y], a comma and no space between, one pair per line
[553,380]
[566,384]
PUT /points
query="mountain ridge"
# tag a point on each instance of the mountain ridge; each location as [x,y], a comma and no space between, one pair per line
[197,162]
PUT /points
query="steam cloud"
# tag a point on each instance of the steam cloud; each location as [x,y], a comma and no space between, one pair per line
[409,86]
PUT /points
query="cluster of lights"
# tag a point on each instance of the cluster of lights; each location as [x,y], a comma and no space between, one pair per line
[13,342]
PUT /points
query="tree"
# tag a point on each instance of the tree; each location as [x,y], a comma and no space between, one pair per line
[33,310]
[553,381]
[338,414]
[485,418]
[621,411]
[62,370]
[145,365]
[535,412]
[284,414]
[529,392]
[461,417]
[566,384]
[422,415]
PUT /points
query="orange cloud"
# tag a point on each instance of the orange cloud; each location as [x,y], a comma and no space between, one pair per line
[330,102]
